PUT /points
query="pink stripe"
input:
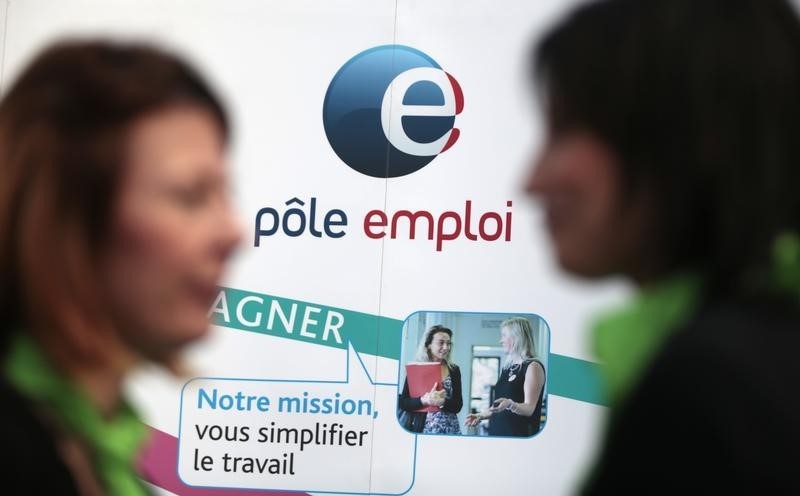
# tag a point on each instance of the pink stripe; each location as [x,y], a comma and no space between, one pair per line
[158,465]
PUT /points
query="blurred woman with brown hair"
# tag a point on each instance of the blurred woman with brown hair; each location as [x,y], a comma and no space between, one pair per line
[115,227]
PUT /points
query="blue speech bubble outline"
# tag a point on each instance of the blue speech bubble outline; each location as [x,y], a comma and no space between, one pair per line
[474,436]
[350,349]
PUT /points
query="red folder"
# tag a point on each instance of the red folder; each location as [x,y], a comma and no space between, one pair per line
[421,377]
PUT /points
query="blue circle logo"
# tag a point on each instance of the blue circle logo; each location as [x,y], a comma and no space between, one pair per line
[391,110]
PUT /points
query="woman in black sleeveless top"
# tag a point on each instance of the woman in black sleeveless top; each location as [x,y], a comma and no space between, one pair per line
[519,392]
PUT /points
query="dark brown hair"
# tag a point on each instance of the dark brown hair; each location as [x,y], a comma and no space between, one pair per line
[63,131]
[700,100]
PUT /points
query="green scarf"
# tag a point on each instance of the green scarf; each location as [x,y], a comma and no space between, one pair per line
[786,264]
[114,443]
[626,340]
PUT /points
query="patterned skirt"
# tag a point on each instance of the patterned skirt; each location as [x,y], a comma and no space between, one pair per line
[441,423]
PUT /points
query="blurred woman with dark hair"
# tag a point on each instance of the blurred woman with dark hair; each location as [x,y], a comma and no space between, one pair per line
[672,158]
[115,227]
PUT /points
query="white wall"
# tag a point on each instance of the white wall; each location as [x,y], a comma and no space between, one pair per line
[3,21]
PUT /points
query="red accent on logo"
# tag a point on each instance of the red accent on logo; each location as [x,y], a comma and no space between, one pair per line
[452,140]
[457,93]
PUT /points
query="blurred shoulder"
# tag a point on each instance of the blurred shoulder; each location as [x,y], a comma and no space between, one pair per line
[725,384]
[29,458]
[734,359]
[745,332]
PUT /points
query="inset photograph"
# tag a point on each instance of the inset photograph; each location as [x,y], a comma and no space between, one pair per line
[475,374]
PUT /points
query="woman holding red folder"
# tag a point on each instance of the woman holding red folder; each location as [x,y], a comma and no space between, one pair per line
[445,396]
[115,229]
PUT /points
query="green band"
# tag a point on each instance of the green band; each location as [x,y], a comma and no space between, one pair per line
[381,336]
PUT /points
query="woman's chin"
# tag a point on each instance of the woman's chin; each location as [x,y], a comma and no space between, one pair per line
[183,336]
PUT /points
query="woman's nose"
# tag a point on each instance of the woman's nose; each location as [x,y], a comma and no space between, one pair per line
[536,175]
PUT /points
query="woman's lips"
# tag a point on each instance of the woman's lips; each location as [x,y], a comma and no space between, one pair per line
[553,219]
[556,210]
[205,292]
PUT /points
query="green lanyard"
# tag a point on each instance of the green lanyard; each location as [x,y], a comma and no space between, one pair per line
[114,443]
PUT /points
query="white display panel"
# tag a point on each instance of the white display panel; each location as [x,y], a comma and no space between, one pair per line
[273,63]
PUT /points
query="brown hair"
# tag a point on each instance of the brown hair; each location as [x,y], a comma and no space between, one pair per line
[700,101]
[424,352]
[63,130]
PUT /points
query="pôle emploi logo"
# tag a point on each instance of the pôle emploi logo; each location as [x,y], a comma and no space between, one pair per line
[388,112]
